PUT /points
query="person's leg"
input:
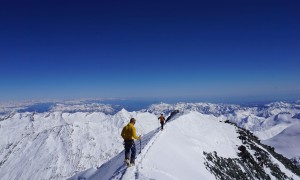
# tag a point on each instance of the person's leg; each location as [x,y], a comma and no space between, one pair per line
[127,149]
[133,153]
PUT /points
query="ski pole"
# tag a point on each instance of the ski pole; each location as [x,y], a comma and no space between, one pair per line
[140,146]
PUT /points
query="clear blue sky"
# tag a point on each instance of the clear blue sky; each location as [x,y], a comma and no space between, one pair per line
[150,49]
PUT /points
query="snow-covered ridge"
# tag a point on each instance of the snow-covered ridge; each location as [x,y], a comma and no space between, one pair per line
[205,108]
[258,118]
[85,105]
[222,109]
[9,107]
[289,141]
[205,148]
[72,137]
[55,145]
[93,107]
[265,121]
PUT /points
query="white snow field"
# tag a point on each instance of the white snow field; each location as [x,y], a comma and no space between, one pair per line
[264,121]
[73,140]
[287,142]
[177,152]
[56,145]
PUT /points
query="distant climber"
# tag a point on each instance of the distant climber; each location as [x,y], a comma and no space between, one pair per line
[129,134]
[162,121]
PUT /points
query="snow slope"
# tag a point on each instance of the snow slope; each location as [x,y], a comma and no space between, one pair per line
[56,145]
[178,152]
[74,137]
[265,121]
[287,142]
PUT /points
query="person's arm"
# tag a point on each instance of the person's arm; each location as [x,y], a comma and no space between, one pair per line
[134,133]
[123,133]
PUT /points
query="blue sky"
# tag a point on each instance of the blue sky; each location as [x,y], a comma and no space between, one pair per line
[237,50]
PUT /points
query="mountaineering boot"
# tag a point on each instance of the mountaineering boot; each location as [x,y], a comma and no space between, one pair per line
[127,162]
[132,163]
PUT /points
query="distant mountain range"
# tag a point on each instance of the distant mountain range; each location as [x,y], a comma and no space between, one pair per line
[61,139]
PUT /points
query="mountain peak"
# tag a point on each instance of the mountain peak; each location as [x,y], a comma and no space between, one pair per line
[205,148]
[90,137]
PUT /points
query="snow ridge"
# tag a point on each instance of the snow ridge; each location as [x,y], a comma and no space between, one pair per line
[71,138]
[55,145]
[115,168]
[199,143]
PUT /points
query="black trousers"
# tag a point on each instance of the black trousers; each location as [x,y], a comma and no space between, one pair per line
[130,146]
[162,124]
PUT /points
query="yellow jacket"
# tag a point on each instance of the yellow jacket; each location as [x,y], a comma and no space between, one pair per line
[129,132]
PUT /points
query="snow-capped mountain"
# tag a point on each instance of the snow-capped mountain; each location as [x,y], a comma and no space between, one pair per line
[93,107]
[197,146]
[287,142]
[55,145]
[265,121]
[65,139]
[204,108]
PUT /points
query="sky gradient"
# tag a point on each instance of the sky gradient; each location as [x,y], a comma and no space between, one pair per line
[214,50]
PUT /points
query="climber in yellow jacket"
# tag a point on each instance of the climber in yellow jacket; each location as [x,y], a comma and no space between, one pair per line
[129,134]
